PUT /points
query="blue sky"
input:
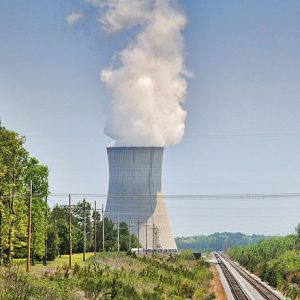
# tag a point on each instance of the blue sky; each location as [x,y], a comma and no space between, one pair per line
[242,128]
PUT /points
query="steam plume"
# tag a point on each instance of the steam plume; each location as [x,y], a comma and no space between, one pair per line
[75,17]
[148,84]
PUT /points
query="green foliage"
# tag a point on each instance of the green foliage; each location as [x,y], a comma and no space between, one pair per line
[216,241]
[59,222]
[59,227]
[17,169]
[142,277]
[127,277]
[124,238]
[111,276]
[275,260]
[52,242]
[15,284]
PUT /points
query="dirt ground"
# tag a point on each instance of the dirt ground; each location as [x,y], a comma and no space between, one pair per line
[216,284]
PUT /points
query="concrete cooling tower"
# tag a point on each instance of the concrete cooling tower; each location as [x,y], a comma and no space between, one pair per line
[135,193]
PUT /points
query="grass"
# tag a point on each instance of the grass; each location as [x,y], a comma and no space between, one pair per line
[113,276]
[63,261]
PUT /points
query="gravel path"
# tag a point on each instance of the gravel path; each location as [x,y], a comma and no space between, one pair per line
[248,288]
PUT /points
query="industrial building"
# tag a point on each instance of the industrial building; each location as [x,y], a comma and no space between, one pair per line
[135,195]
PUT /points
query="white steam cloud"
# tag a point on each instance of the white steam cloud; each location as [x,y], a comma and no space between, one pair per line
[75,17]
[148,85]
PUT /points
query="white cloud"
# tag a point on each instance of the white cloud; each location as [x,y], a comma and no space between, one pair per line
[75,17]
[148,85]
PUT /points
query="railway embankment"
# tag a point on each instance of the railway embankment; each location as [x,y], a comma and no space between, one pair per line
[275,261]
[242,285]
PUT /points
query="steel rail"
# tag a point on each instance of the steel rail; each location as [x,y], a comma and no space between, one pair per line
[236,289]
[265,292]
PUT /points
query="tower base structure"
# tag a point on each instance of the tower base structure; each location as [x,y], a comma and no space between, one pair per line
[135,197]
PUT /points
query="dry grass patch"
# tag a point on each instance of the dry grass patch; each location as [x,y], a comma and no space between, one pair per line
[216,285]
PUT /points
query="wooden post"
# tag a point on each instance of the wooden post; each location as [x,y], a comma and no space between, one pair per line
[46,237]
[95,245]
[147,237]
[153,237]
[138,222]
[70,232]
[103,231]
[29,227]
[84,229]
[129,246]
[118,232]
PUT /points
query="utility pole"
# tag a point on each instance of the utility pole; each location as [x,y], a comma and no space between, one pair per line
[138,223]
[146,225]
[70,232]
[153,237]
[29,227]
[138,235]
[103,219]
[158,246]
[84,229]
[129,246]
[95,245]
[46,233]
[118,232]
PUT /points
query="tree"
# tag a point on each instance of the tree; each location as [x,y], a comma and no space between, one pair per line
[52,242]
[78,216]
[297,229]
[17,169]
[110,235]
[124,238]
[59,220]
[38,174]
[13,159]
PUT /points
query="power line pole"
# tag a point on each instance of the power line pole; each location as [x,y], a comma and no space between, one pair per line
[157,238]
[138,223]
[138,235]
[29,227]
[146,225]
[103,219]
[95,246]
[118,232]
[46,233]
[70,232]
[153,237]
[84,229]
[129,245]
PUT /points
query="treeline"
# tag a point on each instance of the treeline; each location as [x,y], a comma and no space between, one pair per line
[17,169]
[219,241]
[50,228]
[275,260]
[83,215]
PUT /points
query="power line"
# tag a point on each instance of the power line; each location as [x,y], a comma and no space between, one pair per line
[180,196]
[187,136]
[165,196]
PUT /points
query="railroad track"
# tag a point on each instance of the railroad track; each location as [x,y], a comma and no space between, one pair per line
[236,289]
[263,290]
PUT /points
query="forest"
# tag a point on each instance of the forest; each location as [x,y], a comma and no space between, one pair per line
[219,241]
[50,226]
[275,260]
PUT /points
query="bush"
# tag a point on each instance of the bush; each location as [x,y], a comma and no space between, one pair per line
[16,284]
[275,260]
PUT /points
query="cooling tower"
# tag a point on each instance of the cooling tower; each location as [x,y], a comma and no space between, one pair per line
[135,193]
